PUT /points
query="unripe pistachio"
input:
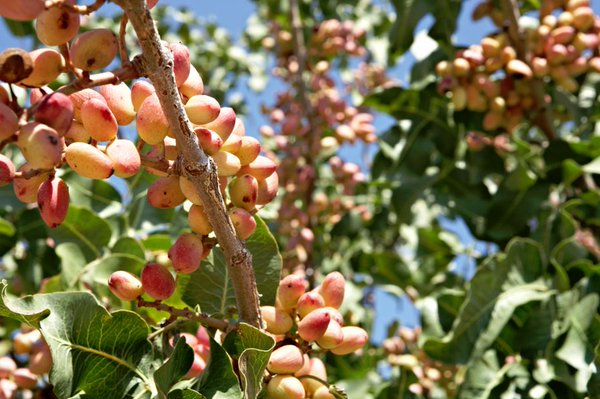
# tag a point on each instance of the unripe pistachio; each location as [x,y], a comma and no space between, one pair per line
[540,67]
[47,65]
[261,168]
[24,378]
[9,123]
[224,124]
[232,144]
[165,193]
[577,67]
[210,141]
[334,314]
[57,25]
[493,64]
[333,336]
[186,253]
[53,201]
[152,125]
[289,291]
[239,129]
[202,109]
[193,85]
[313,325]
[198,220]
[7,170]
[490,47]
[98,120]
[459,98]
[189,190]
[227,163]
[563,34]
[243,222]
[277,321]
[181,62]
[323,393]
[594,64]
[157,281]
[55,110]
[88,161]
[285,387]
[23,342]
[286,359]
[308,302]
[8,388]
[443,68]
[332,289]
[118,98]
[125,286]
[7,366]
[141,90]
[243,192]
[316,368]
[197,368]
[41,145]
[81,97]
[583,18]
[94,49]
[267,189]
[476,101]
[508,54]
[354,339]
[249,150]
[26,189]
[519,69]
[24,10]
[125,158]
[40,360]
[460,67]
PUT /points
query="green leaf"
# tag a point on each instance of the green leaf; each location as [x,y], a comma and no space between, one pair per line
[174,368]
[252,349]
[185,394]
[7,236]
[129,246]
[98,195]
[86,229]
[19,28]
[577,348]
[219,380]
[72,263]
[210,287]
[96,354]
[499,287]
[482,377]
[408,15]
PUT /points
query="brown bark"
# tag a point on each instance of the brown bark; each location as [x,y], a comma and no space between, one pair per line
[157,64]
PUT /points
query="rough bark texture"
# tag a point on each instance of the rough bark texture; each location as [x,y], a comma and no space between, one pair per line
[157,64]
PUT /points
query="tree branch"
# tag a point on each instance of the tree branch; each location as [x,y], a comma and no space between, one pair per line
[196,165]
[543,118]
[188,314]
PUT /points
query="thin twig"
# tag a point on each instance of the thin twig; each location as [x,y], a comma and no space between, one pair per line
[187,314]
[122,44]
[157,63]
[32,173]
[127,72]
